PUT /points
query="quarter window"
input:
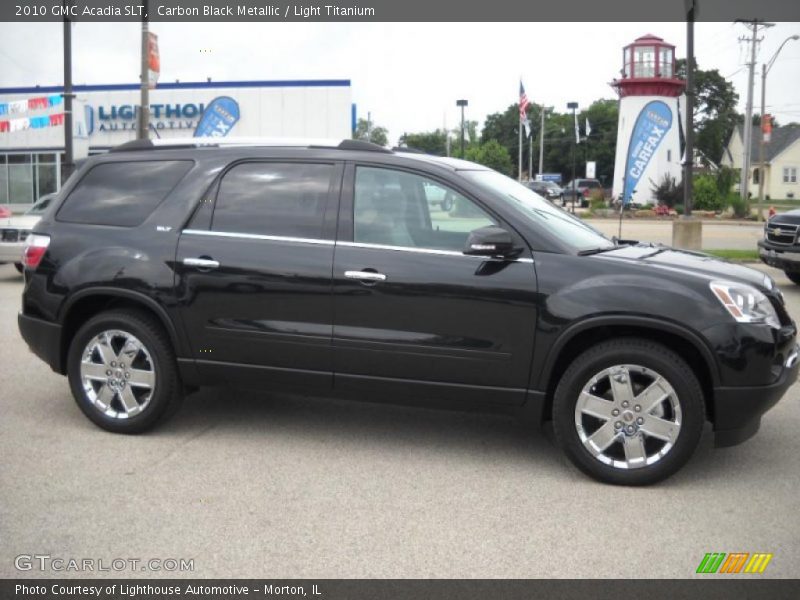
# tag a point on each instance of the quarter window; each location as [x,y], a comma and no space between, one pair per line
[280,199]
[123,194]
[396,208]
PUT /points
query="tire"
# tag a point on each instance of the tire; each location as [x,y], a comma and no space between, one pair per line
[19,267]
[620,461]
[447,203]
[116,403]
[794,277]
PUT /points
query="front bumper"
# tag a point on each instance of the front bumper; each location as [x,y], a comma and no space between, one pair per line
[785,258]
[738,410]
[11,252]
[43,338]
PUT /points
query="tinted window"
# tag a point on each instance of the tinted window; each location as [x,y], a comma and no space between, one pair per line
[396,208]
[122,193]
[282,199]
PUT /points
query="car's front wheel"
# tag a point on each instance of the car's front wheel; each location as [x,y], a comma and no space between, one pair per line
[794,277]
[628,411]
[122,371]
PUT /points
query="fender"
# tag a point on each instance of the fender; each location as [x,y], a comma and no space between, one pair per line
[177,343]
[631,320]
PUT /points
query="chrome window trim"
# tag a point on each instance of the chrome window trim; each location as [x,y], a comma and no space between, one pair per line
[256,236]
[278,238]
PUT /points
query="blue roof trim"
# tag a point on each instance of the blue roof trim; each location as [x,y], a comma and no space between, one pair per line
[189,85]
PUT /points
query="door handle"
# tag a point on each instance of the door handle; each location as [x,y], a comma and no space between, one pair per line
[370,276]
[201,263]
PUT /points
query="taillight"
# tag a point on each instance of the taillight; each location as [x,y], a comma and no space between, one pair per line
[586,193]
[35,247]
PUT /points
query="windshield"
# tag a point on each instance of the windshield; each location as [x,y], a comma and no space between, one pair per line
[563,225]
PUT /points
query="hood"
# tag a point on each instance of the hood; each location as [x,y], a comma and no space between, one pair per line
[684,261]
[20,222]
[791,217]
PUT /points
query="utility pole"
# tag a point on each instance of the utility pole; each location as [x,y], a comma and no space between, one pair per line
[688,161]
[541,143]
[530,159]
[747,134]
[69,159]
[573,106]
[765,67]
[144,101]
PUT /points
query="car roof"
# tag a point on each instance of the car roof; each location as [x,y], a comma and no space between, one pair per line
[236,145]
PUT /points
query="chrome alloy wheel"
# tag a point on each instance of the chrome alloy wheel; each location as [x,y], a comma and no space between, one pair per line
[628,416]
[117,374]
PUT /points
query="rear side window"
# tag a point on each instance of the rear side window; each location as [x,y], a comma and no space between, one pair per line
[280,199]
[123,194]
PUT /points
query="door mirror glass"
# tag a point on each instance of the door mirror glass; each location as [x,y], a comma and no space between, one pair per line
[490,241]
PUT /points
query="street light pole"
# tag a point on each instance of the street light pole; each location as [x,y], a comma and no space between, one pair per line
[765,67]
[462,104]
[144,102]
[573,106]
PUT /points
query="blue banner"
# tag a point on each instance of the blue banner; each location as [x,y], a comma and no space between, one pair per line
[218,118]
[652,125]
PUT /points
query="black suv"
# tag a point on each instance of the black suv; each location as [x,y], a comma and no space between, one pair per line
[324,269]
[780,247]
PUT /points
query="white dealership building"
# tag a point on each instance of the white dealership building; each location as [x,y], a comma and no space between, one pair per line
[32,132]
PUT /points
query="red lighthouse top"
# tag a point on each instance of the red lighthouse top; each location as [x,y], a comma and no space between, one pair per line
[648,69]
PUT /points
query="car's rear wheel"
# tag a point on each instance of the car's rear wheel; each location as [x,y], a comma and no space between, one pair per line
[122,371]
[18,267]
[793,277]
[628,411]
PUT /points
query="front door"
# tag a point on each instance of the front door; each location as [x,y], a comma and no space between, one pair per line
[415,315]
[254,274]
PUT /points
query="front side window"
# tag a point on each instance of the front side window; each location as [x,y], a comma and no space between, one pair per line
[122,194]
[396,208]
[279,199]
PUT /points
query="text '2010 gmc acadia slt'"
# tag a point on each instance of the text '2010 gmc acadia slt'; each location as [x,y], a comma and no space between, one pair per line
[326,268]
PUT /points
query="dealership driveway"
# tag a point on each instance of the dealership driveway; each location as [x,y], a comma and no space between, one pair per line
[253,485]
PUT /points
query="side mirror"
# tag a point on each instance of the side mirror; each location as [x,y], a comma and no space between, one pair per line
[490,241]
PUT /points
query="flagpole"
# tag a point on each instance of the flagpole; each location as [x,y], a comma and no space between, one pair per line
[519,170]
[530,159]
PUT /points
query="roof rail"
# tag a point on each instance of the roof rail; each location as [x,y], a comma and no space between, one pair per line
[216,142]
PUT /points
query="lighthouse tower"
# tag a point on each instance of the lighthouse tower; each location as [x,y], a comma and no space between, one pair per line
[651,115]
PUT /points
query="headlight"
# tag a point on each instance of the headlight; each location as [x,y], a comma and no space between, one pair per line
[745,303]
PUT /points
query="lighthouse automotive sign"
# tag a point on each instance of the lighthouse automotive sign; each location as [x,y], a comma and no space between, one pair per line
[652,125]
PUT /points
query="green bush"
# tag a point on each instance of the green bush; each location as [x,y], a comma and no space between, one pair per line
[706,194]
[597,201]
[726,178]
[740,208]
[678,208]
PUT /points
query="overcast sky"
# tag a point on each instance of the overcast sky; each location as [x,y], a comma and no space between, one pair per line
[408,75]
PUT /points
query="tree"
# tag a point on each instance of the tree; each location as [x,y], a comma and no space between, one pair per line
[714,114]
[432,142]
[371,133]
[491,154]
[503,128]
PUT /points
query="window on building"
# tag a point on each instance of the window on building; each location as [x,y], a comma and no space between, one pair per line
[644,59]
[626,60]
[789,174]
[122,194]
[396,208]
[665,66]
[280,199]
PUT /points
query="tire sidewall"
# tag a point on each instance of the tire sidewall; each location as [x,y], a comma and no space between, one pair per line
[159,354]
[655,357]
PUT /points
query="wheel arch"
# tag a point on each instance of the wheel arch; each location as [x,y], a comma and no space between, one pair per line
[85,304]
[572,342]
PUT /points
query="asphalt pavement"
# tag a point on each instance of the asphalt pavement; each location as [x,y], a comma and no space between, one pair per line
[261,485]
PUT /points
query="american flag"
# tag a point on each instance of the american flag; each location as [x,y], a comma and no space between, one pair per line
[523,108]
[523,102]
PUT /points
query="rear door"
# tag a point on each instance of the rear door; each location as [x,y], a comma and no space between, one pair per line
[254,274]
[413,314]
